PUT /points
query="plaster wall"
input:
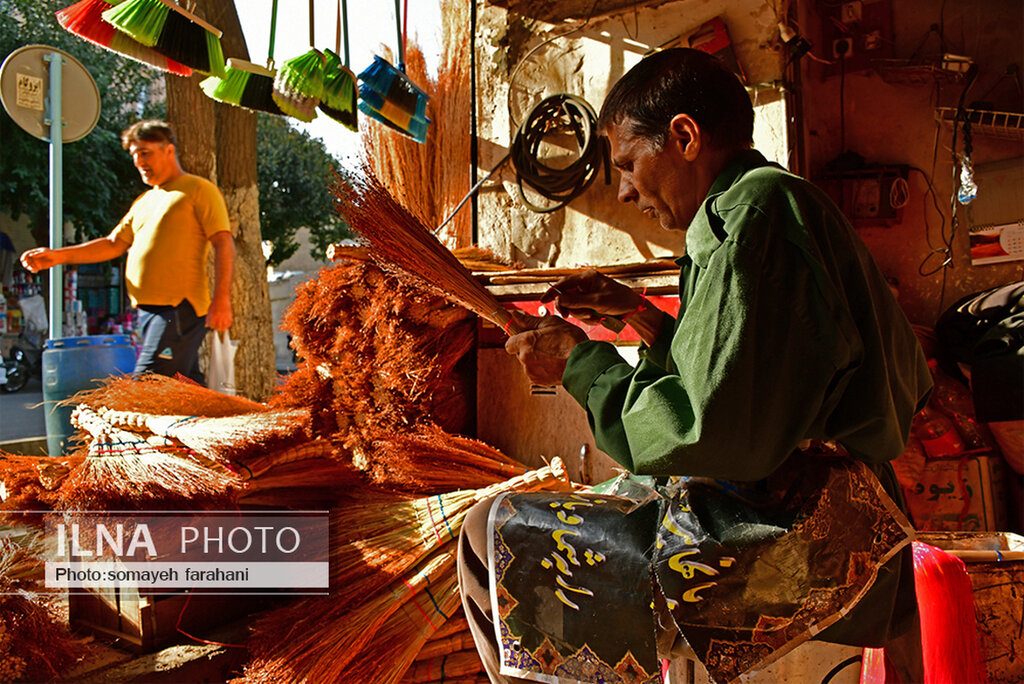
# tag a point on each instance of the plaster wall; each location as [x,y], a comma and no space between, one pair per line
[585,62]
[890,119]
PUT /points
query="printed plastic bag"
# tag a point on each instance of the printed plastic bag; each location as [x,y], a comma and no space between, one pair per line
[220,375]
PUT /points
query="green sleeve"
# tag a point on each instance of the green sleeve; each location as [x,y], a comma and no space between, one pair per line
[754,360]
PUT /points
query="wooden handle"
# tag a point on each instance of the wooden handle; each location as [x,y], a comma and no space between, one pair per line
[193,18]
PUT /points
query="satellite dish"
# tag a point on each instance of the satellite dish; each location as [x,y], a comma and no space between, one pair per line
[25,84]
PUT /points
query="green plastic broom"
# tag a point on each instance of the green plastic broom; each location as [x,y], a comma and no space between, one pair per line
[172,31]
[299,84]
[340,94]
[246,84]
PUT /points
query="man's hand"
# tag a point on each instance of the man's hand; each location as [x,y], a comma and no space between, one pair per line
[589,296]
[544,349]
[218,317]
[39,259]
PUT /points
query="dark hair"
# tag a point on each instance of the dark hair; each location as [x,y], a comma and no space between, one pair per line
[681,81]
[151,130]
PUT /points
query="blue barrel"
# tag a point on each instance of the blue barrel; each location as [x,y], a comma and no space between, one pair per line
[73,364]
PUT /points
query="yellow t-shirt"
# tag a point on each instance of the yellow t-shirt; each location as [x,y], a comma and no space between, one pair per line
[168,231]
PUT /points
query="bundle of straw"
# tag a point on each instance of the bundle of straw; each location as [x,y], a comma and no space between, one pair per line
[428,459]
[401,241]
[380,541]
[221,439]
[159,394]
[307,651]
[305,475]
[35,645]
[123,470]
[451,666]
[26,483]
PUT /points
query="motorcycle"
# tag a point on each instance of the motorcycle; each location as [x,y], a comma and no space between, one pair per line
[24,360]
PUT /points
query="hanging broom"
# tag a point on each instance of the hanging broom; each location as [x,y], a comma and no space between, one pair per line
[339,98]
[390,97]
[401,241]
[340,95]
[172,31]
[83,19]
[381,540]
[246,84]
[299,84]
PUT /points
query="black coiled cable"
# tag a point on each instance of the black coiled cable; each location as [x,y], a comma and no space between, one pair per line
[558,114]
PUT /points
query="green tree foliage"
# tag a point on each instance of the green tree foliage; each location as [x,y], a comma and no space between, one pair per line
[99,179]
[295,173]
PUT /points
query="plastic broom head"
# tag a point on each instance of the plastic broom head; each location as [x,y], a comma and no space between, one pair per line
[415,130]
[245,85]
[299,85]
[85,21]
[392,85]
[171,31]
[340,94]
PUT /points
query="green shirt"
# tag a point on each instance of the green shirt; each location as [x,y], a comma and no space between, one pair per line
[787,331]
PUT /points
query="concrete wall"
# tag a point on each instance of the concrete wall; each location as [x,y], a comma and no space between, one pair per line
[585,63]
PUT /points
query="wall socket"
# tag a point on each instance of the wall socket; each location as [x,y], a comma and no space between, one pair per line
[851,12]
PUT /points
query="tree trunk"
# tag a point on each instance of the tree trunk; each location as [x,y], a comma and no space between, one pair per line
[218,141]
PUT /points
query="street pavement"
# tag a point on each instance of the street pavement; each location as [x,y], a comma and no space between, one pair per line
[22,415]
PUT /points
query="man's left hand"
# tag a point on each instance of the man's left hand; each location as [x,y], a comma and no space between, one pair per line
[544,350]
[219,315]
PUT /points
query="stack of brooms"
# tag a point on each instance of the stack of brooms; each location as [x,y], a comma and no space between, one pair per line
[366,426]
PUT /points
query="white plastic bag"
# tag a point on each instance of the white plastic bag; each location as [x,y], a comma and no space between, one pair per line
[220,375]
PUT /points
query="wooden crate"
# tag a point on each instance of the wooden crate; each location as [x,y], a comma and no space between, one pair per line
[142,622]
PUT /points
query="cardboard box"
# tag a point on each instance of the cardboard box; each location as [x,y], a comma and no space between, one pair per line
[967,493]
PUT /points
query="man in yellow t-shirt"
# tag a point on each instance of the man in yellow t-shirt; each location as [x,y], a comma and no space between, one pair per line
[166,233]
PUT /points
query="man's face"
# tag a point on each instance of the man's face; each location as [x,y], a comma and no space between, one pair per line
[154,160]
[660,181]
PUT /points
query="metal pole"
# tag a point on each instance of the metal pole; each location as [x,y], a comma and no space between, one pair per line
[56,122]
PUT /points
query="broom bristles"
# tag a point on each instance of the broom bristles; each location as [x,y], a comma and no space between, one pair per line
[161,395]
[402,241]
[401,637]
[163,26]
[306,639]
[143,20]
[84,19]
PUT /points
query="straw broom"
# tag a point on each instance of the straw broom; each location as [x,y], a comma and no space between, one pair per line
[401,637]
[459,664]
[221,439]
[380,541]
[429,459]
[35,645]
[402,242]
[159,394]
[124,470]
[313,639]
